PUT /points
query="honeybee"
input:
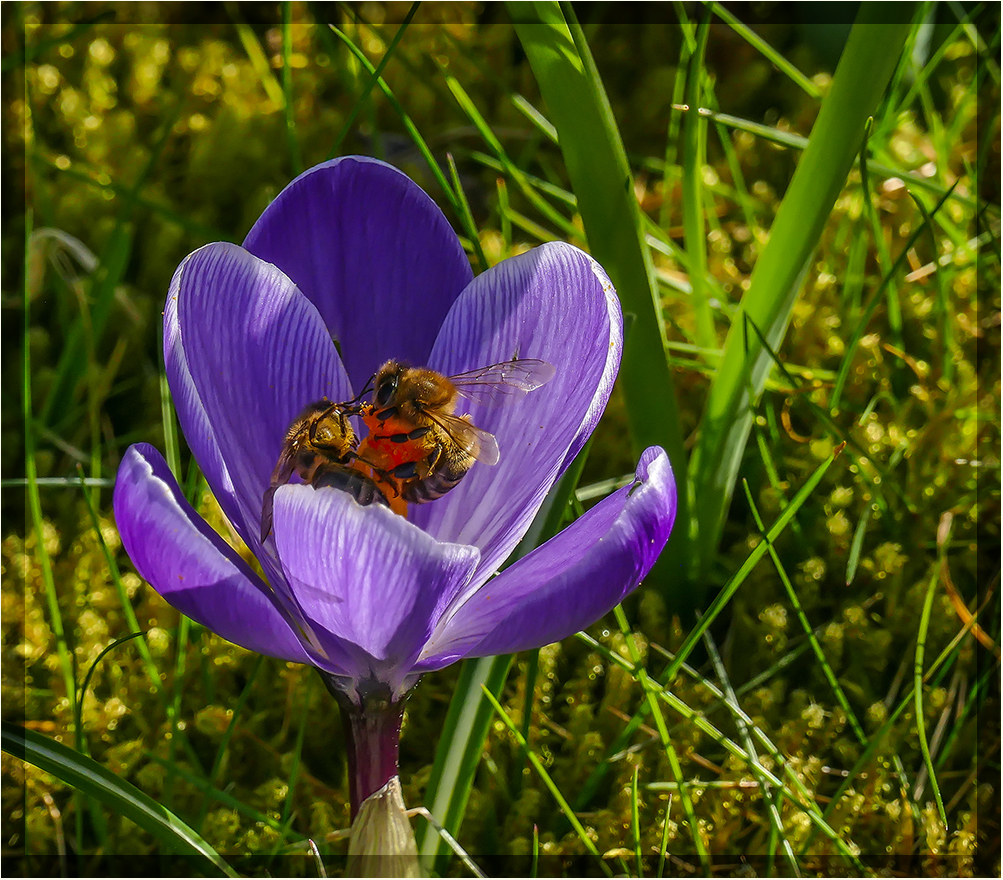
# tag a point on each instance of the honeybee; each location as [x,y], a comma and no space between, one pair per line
[320,446]
[417,444]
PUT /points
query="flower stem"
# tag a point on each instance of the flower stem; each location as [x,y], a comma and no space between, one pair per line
[372,736]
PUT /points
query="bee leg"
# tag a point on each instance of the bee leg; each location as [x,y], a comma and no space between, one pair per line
[406,471]
[416,434]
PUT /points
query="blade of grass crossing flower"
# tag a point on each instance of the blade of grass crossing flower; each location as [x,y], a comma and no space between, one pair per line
[601,180]
[90,777]
[554,790]
[863,72]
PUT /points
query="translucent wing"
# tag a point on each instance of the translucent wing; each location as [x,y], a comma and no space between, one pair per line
[478,444]
[502,383]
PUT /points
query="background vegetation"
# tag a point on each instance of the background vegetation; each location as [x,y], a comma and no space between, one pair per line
[838,715]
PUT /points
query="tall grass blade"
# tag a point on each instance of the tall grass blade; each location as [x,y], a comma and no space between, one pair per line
[694,159]
[459,755]
[867,63]
[596,162]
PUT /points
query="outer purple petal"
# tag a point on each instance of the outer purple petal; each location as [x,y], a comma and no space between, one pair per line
[372,251]
[366,575]
[190,565]
[256,351]
[569,582]
[554,303]
[191,413]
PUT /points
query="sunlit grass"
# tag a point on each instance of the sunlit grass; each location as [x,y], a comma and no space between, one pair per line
[833,711]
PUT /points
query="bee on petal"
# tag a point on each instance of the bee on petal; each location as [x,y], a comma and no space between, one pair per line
[320,448]
[417,442]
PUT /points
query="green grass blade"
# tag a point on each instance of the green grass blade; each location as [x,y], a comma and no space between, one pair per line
[797,142]
[256,55]
[459,754]
[694,159]
[552,787]
[866,65]
[924,627]
[538,202]
[373,79]
[770,794]
[600,176]
[90,777]
[467,217]
[830,675]
[767,51]
[650,693]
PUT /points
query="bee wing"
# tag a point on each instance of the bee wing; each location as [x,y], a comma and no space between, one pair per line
[502,383]
[280,475]
[479,445]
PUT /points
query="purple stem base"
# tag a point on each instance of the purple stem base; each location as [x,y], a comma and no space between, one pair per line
[372,737]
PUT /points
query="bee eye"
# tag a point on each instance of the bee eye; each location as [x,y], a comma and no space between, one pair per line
[386,391]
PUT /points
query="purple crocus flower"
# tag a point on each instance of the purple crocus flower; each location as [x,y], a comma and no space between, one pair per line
[351,265]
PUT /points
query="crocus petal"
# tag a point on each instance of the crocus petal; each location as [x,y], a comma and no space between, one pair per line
[191,413]
[257,351]
[569,582]
[185,561]
[372,251]
[366,575]
[554,303]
